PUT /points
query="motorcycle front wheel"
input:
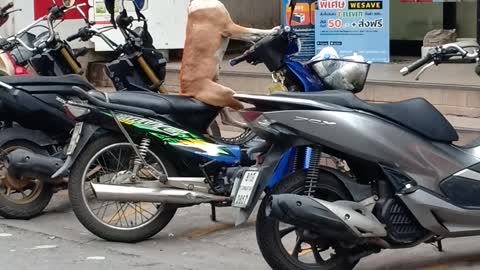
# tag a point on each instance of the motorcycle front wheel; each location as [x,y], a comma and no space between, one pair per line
[106,161]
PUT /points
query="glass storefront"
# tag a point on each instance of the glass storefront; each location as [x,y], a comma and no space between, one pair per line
[411,21]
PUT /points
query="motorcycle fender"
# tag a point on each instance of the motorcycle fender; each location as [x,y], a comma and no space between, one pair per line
[88,131]
[267,169]
[19,133]
[358,191]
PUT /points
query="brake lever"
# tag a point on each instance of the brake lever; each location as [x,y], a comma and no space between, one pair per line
[429,65]
[13,11]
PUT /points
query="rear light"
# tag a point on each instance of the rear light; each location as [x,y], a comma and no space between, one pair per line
[17,70]
[75,112]
[21,71]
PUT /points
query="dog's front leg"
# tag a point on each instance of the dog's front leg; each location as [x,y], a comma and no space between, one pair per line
[238,32]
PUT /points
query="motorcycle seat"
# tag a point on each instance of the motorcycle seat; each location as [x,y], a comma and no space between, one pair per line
[416,114]
[161,104]
[70,80]
[183,110]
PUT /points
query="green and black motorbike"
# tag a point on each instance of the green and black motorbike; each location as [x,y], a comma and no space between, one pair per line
[139,156]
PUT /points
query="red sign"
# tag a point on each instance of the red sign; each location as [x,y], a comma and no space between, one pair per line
[42,6]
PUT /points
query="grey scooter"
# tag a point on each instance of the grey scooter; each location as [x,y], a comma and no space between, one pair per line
[408,183]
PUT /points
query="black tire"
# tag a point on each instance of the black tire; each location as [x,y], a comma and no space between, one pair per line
[268,240]
[11,210]
[89,221]
[242,139]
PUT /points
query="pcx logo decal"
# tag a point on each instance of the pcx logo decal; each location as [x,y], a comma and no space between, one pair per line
[314,121]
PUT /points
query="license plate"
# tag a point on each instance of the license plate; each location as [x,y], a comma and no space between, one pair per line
[246,189]
[75,138]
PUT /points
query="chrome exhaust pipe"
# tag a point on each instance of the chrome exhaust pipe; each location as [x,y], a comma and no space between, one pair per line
[152,194]
[342,219]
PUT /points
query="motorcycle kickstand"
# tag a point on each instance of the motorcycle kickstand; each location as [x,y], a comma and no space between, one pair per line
[213,216]
[439,246]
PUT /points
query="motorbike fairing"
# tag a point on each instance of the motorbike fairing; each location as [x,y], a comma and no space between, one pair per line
[309,81]
[416,114]
[197,148]
[34,101]
[392,145]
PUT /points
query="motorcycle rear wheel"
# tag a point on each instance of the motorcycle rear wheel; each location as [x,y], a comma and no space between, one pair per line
[113,228]
[244,137]
[270,233]
[22,198]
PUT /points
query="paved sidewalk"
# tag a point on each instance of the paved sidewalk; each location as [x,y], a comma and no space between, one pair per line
[56,240]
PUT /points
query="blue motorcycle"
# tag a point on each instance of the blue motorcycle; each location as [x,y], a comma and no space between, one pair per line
[321,73]
[277,52]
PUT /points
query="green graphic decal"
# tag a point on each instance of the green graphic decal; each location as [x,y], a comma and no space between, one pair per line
[172,135]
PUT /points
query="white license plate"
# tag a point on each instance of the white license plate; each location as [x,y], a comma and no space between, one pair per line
[246,189]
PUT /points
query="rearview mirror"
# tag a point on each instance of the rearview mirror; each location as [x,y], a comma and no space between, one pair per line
[292,4]
[139,4]
[110,5]
[69,3]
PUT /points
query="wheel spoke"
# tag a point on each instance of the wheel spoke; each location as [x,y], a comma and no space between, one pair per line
[99,208]
[316,254]
[119,160]
[123,211]
[114,217]
[106,207]
[298,248]
[104,168]
[136,211]
[142,209]
[284,232]
[94,171]
[115,157]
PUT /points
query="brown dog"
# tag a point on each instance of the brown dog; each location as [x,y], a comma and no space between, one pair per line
[209,28]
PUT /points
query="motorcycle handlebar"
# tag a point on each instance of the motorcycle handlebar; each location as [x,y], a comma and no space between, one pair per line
[441,54]
[7,7]
[237,60]
[73,37]
[417,64]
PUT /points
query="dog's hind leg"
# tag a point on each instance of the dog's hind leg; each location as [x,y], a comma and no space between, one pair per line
[217,95]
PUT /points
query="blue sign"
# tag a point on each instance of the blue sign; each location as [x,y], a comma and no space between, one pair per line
[303,21]
[350,27]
